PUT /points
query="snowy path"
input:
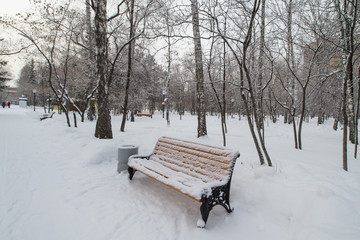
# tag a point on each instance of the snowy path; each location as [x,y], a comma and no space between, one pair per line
[48,193]
[31,178]
[61,183]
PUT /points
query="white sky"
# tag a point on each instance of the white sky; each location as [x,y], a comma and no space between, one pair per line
[11,7]
[15,63]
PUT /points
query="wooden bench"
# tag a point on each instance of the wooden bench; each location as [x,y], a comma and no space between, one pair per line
[47,115]
[199,171]
[144,115]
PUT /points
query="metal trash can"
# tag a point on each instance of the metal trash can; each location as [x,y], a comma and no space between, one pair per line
[124,152]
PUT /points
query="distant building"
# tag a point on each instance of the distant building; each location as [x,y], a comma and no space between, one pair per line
[9,94]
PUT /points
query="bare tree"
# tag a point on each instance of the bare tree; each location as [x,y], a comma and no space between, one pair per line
[129,62]
[105,66]
[3,74]
[103,125]
[220,95]
[56,48]
[239,46]
[91,56]
[261,68]
[202,131]
[347,19]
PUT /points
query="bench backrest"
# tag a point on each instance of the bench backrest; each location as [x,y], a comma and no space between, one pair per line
[209,163]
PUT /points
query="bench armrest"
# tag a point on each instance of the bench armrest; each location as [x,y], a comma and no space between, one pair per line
[139,156]
[130,169]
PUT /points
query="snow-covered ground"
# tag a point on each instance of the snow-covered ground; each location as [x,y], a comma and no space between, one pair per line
[62,183]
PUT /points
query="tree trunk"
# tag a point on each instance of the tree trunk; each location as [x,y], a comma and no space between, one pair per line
[67,118]
[75,122]
[295,134]
[357,116]
[252,131]
[290,57]
[350,102]
[223,114]
[345,120]
[337,117]
[91,112]
[347,17]
[202,131]
[169,70]
[132,115]
[103,125]
[220,104]
[261,67]
[129,67]
[345,87]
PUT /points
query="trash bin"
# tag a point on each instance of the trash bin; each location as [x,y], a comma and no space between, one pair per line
[23,102]
[124,152]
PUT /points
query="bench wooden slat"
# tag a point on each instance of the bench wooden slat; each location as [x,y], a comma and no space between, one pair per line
[201,148]
[144,115]
[194,152]
[191,159]
[212,171]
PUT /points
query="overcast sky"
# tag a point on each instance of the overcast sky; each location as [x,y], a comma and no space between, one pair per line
[11,7]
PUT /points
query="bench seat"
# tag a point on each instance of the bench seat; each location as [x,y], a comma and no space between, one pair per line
[198,171]
[144,115]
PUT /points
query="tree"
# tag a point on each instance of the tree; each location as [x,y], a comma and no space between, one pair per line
[129,61]
[238,41]
[3,73]
[220,97]
[202,131]
[105,65]
[32,77]
[91,55]
[261,68]
[303,82]
[347,18]
[103,125]
[26,81]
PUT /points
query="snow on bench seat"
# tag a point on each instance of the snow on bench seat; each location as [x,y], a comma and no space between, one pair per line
[191,168]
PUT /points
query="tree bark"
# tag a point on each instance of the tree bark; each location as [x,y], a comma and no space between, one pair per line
[261,68]
[103,128]
[129,66]
[223,114]
[290,55]
[199,72]
[345,120]
[357,116]
[91,112]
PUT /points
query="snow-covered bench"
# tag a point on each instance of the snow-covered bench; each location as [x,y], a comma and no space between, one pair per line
[47,115]
[199,171]
[144,115]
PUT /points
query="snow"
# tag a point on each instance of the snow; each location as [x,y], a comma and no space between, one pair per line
[58,182]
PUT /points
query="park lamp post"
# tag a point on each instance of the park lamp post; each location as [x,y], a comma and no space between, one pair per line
[34,92]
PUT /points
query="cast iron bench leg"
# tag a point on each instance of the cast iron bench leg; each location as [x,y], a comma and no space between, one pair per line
[205,208]
[131,172]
